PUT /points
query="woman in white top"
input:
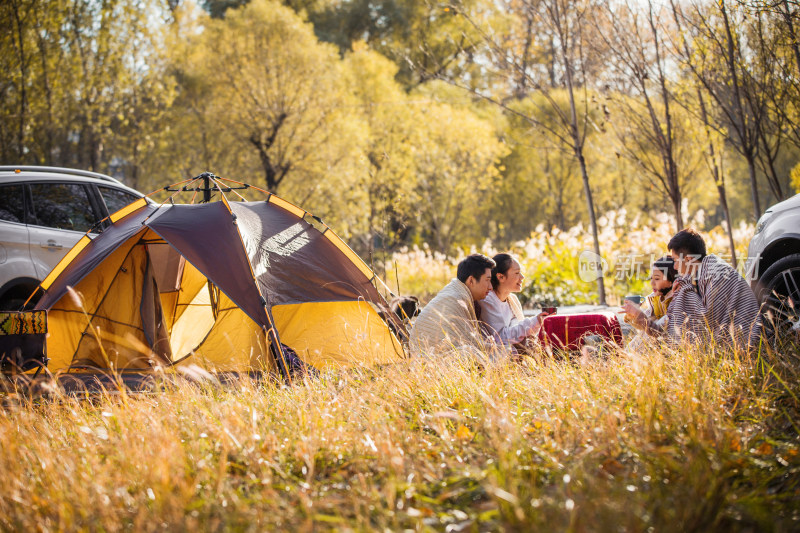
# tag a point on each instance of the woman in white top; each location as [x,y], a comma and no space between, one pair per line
[501,309]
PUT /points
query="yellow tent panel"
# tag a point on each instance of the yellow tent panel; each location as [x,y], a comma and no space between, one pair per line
[191,328]
[69,320]
[326,334]
[192,282]
[233,343]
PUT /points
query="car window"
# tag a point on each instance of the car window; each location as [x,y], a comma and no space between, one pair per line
[12,203]
[61,206]
[115,199]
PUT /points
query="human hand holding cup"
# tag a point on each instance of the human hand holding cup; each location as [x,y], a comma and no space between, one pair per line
[546,312]
[633,313]
[635,298]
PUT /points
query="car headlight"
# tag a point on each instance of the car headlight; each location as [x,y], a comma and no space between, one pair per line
[762,222]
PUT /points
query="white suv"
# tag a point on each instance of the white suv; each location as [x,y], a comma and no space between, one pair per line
[44,211]
[774,262]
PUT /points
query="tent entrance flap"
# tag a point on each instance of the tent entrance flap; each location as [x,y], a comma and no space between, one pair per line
[193,325]
[168,266]
[127,328]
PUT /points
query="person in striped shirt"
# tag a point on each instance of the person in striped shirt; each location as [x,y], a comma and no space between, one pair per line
[711,302]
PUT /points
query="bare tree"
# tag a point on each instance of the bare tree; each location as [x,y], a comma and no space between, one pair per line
[715,57]
[713,152]
[781,55]
[773,79]
[566,125]
[567,21]
[640,65]
[714,167]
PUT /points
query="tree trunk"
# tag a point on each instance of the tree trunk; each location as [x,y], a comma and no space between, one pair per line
[716,174]
[676,208]
[747,144]
[94,150]
[767,158]
[560,206]
[134,176]
[522,84]
[49,140]
[587,190]
[274,172]
[723,200]
[601,286]
[751,167]
[23,104]
[774,181]
[577,146]
[551,65]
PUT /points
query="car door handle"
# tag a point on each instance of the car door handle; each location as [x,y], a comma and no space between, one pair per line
[52,244]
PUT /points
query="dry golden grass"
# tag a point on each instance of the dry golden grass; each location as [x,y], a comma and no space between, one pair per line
[690,441]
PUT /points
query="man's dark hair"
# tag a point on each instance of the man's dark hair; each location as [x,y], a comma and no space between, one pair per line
[688,242]
[502,263]
[474,265]
[667,266]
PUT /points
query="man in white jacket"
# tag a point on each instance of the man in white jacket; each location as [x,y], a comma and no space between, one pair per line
[449,321]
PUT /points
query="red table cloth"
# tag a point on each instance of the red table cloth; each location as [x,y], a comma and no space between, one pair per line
[567,332]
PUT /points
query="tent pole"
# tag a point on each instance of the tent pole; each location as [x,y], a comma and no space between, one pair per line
[206,187]
[280,362]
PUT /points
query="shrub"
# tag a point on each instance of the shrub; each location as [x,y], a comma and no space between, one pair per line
[550,259]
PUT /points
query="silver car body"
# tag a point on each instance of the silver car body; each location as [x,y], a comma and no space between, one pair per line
[30,248]
[777,236]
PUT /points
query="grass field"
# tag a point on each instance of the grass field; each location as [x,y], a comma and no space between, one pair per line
[688,441]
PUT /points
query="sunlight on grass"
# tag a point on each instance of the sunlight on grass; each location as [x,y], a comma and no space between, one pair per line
[677,441]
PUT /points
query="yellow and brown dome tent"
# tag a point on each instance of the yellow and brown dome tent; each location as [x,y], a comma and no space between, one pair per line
[220,284]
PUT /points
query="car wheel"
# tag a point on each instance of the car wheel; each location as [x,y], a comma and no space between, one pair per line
[11,304]
[14,299]
[779,295]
